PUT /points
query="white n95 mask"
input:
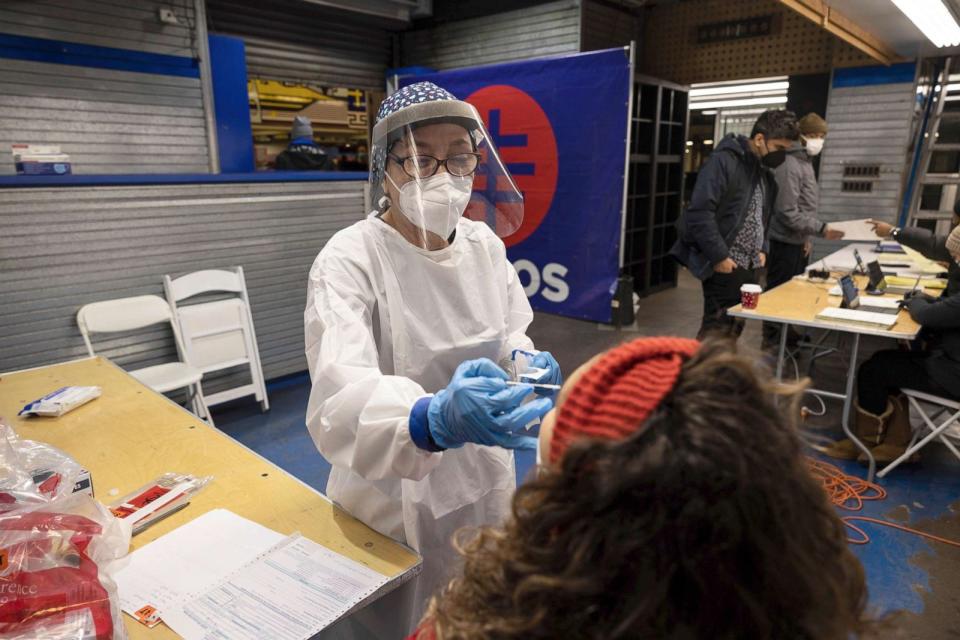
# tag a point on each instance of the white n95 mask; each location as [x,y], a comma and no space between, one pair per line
[435,203]
[814,146]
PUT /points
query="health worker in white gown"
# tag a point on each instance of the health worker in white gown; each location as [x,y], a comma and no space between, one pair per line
[412,316]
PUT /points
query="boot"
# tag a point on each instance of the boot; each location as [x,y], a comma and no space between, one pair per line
[867,426]
[896,436]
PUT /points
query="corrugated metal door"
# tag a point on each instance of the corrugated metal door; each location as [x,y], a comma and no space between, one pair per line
[301,42]
[544,30]
[862,166]
[62,248]
[109,121]
[605,27]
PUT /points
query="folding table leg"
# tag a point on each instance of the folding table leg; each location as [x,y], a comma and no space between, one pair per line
[783,350]
[848,404]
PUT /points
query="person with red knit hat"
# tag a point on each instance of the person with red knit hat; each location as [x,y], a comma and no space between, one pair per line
[673,501]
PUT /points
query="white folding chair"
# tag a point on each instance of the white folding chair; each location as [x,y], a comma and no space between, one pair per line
[219,334]
[129,314]
[945,431]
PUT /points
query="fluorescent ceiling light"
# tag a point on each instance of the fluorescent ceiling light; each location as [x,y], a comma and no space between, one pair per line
[932,18]
[698,85]
[708,142]
[739,88]
[717,104]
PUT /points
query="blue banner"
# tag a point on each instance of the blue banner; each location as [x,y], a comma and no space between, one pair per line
[560,125]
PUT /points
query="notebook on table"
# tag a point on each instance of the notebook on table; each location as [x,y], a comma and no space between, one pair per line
[889,306]
[857,316]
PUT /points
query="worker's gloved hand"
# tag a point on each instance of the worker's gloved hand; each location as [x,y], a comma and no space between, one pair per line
[918,295]
[479,407]
[544,360]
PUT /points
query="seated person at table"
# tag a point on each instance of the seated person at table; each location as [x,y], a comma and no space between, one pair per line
[931,245]
[882,420]
[675,503]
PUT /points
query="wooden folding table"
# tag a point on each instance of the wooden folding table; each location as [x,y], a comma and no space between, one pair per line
[131,435]
[797,303]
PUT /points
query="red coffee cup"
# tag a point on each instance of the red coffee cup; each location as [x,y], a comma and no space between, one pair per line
[750,295]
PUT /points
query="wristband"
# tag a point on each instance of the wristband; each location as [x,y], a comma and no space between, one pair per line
[419,426]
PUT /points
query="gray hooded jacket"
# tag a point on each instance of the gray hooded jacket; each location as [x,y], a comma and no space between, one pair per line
[795,210]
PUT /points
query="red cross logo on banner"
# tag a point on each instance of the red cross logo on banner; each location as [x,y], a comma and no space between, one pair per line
[522,134]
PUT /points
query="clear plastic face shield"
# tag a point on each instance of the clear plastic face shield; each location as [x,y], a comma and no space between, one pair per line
[434,162]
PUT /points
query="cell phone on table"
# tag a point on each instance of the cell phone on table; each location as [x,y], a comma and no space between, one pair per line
[848,288]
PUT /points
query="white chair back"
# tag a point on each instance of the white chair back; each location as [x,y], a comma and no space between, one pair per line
[206,281]
[123,314]
[218,335]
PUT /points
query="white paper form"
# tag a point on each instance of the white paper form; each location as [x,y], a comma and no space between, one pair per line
[190,559]
[291,593]
[855,230]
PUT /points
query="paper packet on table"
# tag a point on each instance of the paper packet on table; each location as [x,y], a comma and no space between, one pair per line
[61,401]
[157,499]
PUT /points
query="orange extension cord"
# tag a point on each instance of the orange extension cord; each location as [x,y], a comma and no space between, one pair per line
[849,493]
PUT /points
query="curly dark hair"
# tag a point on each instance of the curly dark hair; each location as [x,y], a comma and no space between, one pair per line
[777,123]
[705,523]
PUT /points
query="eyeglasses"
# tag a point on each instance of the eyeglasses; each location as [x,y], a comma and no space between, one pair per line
[421,166]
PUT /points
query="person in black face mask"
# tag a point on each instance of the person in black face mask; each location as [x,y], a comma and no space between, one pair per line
[722,234]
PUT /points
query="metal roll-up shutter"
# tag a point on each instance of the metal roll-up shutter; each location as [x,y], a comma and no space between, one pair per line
[605,27]
[544,30]
[107,120]
[300,42]
[863,162]
[61,248]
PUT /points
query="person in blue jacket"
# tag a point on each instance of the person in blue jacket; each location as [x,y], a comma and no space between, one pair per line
[723,237]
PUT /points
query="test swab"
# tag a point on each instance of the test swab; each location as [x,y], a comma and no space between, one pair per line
[514,383]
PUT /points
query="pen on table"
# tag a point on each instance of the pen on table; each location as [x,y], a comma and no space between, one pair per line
[514,383]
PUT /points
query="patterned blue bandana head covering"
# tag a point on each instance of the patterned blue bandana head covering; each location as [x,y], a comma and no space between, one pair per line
[412,94]
[410,105]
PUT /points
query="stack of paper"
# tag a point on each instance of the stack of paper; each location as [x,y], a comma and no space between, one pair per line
[292,592]
[858,317]
[223,576]
[189,559]
[921,263]
[904,281]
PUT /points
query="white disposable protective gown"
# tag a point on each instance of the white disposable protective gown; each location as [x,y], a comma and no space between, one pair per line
[387,323]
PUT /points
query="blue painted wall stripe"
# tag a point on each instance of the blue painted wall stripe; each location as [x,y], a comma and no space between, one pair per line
[86,55]
[865,76]
[75,180]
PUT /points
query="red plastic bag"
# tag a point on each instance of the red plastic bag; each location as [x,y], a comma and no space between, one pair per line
[55,550]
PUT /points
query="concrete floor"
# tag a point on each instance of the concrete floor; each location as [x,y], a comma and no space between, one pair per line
[906,574]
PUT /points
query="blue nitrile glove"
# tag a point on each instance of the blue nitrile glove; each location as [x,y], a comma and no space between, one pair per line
[544,360]
[477,407]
